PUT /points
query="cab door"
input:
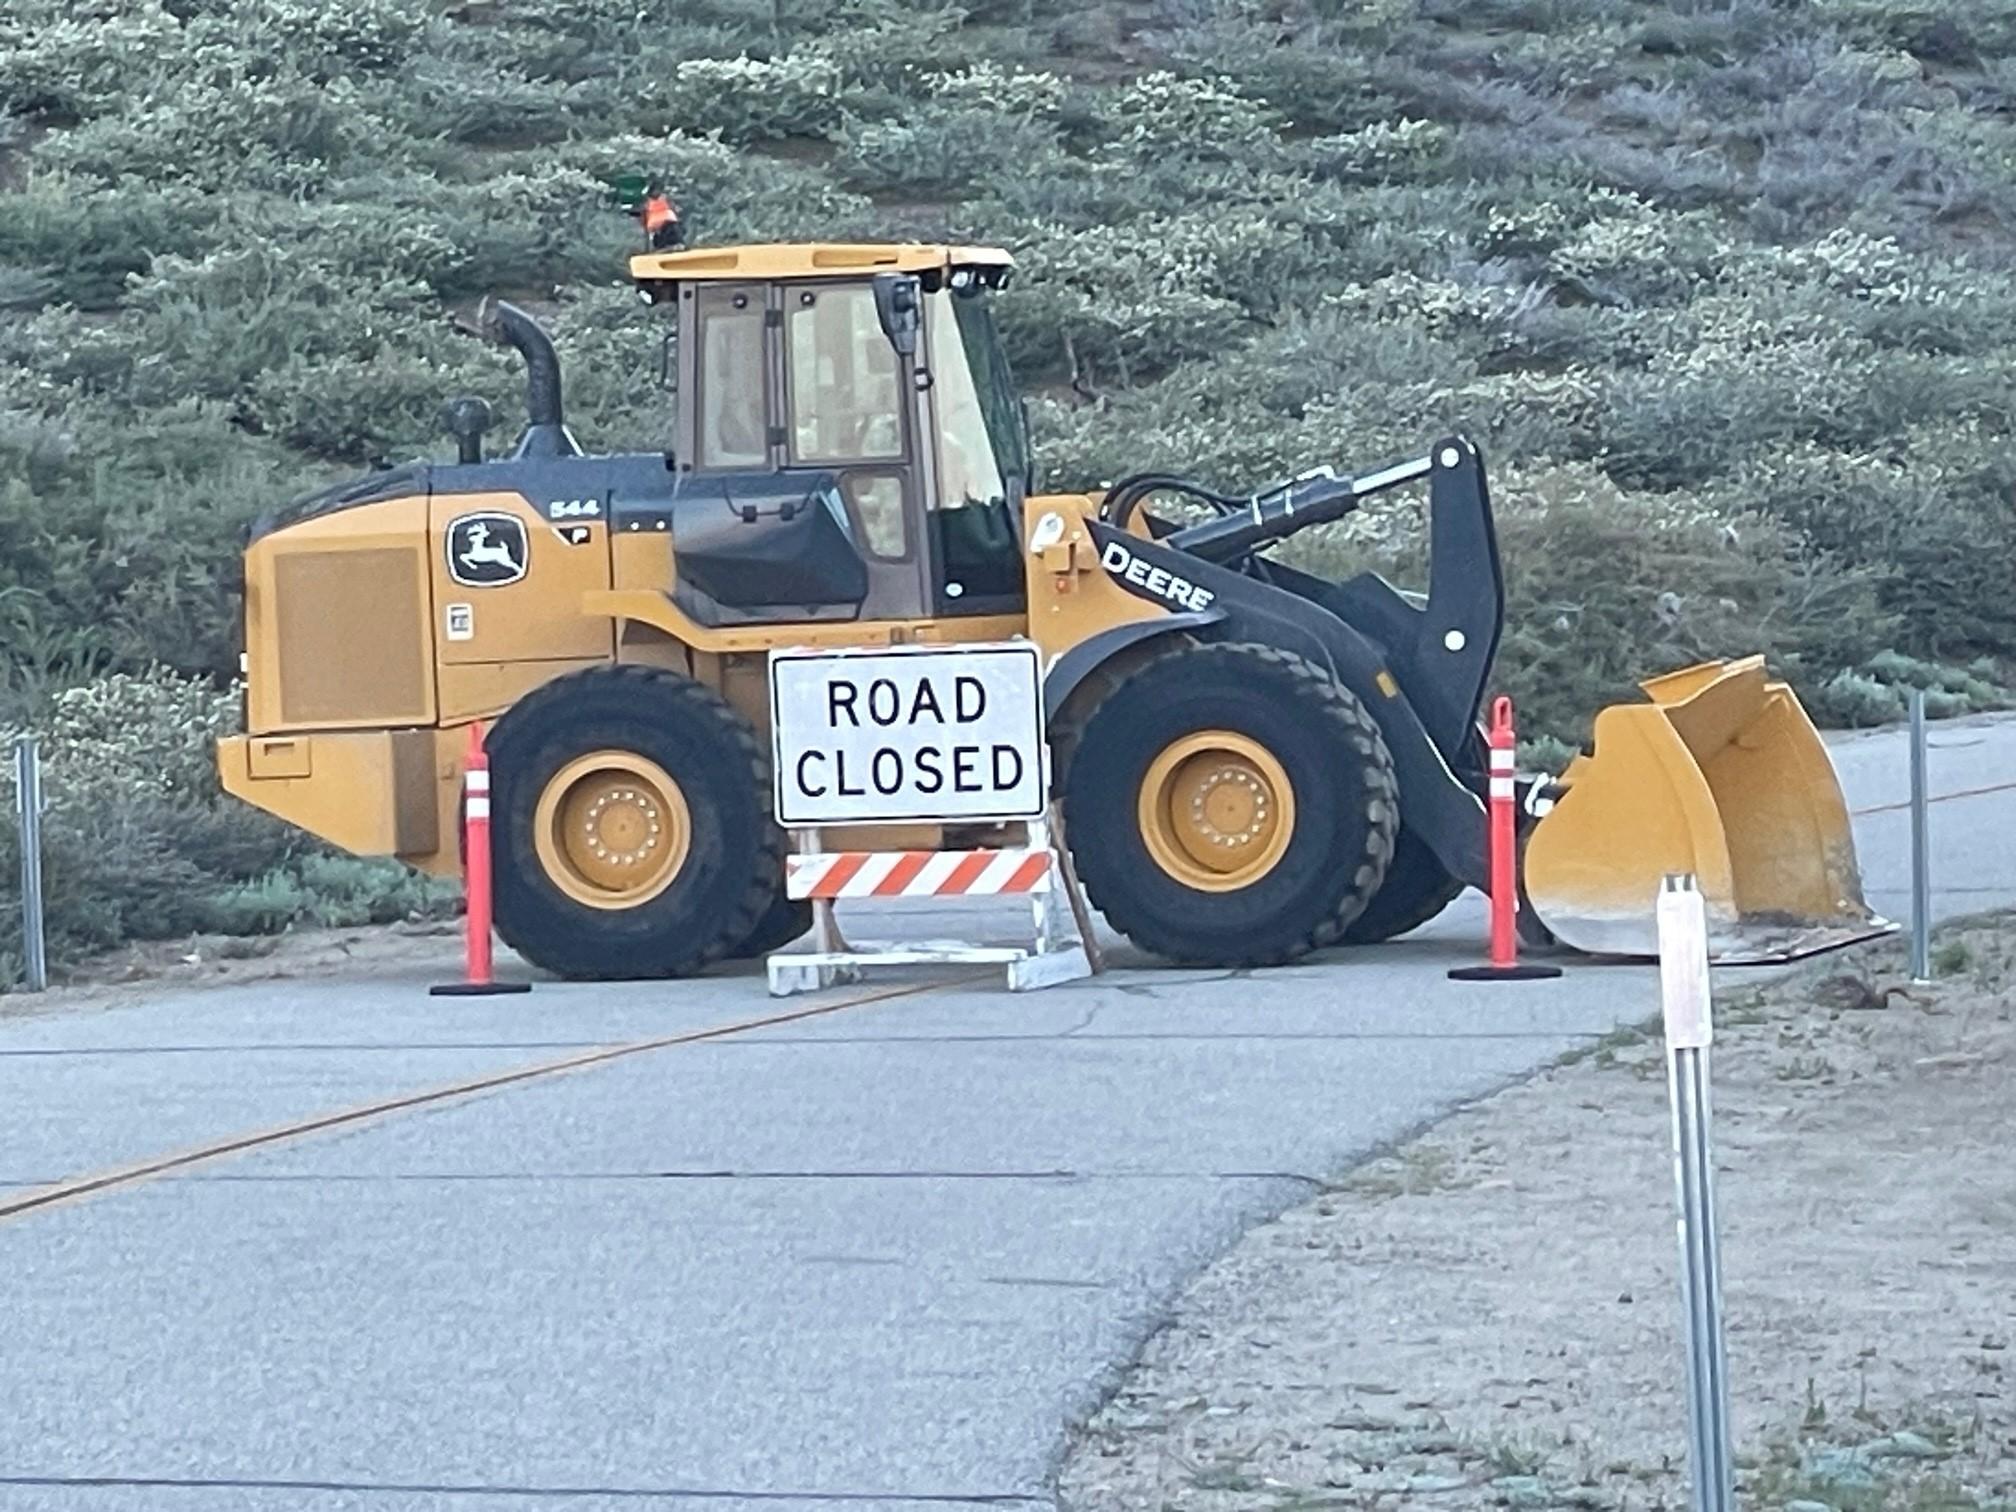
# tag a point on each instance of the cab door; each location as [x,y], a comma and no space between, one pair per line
[975,511]
[844,390]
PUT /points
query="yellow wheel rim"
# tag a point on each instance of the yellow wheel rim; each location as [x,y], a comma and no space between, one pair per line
[612,829]
[1216,810]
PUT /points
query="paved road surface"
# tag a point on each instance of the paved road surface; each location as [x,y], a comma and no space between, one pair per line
[875,1258]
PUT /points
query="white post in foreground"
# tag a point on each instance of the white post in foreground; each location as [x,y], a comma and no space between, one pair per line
[1683,982]
[1921,865]
[28,818]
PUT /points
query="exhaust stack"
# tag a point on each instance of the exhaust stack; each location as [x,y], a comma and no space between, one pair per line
[546,433]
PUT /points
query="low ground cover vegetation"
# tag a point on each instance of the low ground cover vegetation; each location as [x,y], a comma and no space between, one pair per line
[1725,290]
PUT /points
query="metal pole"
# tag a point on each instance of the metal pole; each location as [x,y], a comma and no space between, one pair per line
[28,812]
[1683,981]
[1921,860]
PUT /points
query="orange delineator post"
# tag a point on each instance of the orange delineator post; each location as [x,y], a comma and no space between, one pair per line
[1504,821]
[476,880]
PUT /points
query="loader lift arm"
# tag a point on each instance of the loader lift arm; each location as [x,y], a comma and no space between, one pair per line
[1441,647]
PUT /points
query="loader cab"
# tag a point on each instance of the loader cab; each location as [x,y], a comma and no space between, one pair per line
[853,412]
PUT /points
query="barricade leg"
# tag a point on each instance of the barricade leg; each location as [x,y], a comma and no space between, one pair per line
[1056,954]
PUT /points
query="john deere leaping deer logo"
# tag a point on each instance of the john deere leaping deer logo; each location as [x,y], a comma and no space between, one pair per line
[486,550]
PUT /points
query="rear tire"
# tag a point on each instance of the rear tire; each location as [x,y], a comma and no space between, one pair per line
[1231,805]
[632,825]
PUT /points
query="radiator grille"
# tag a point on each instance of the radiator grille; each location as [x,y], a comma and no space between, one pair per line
[353,636]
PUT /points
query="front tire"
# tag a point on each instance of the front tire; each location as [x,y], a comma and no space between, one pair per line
[632,825]
[1417,888]
[1231,805]
[782,922]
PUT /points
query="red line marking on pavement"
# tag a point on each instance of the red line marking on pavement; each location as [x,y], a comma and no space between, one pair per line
[75,1188]
[1892,808]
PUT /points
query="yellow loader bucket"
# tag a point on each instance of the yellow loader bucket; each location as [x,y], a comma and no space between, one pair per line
[1722,775]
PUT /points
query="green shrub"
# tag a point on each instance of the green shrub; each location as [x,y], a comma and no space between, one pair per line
[942,146]
[64,68]
[1163,113]
[139,843]
[747,99]
[1854,700]
[280,134]
[1723,290]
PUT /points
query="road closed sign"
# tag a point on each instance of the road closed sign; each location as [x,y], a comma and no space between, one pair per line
[916,735]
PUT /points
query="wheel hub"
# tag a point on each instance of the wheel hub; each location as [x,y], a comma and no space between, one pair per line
[613,829]
[1216,810]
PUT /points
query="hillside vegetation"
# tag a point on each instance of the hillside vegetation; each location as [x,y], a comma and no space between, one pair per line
[1725,290]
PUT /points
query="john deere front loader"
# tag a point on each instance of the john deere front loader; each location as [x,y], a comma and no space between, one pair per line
[1254,762]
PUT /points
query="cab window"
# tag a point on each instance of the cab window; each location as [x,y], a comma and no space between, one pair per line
[845,394]
[968,471]
[734,418]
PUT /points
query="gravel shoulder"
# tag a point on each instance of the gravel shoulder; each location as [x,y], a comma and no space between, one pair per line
[1488,1315]
[145,969]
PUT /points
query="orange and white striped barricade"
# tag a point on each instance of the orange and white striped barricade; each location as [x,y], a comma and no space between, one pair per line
[1035,870]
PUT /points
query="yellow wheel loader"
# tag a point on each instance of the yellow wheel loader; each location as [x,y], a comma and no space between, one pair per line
[1253,762]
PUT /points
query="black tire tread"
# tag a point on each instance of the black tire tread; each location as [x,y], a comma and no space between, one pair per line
[683,699]
[1330,701]
[1370,928]
[783,921]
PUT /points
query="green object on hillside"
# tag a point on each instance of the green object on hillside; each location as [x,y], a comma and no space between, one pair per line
[629,191]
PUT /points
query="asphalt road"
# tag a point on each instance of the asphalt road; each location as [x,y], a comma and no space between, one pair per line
[878,1257]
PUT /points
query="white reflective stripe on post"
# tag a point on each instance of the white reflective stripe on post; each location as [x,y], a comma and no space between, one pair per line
[1683,964]
[476,780]
[1503,761]
[1501,787]
[479,808]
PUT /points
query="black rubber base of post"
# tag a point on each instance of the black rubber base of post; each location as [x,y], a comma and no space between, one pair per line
[1504,973]
[477,989]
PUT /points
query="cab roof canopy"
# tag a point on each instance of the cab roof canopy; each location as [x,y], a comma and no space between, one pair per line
[814,260]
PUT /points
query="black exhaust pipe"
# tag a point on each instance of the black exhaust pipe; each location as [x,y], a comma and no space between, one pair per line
[545,429]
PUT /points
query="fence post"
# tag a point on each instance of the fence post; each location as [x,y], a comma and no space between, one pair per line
[1689,1020]
[1921,859]
[28,811]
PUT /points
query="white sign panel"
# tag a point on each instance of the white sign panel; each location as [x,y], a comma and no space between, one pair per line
[910,735]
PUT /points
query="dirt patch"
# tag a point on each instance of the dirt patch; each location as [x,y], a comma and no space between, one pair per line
[1489,1316]
[144,969]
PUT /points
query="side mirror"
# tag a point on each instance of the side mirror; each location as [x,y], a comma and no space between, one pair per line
[900,309]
